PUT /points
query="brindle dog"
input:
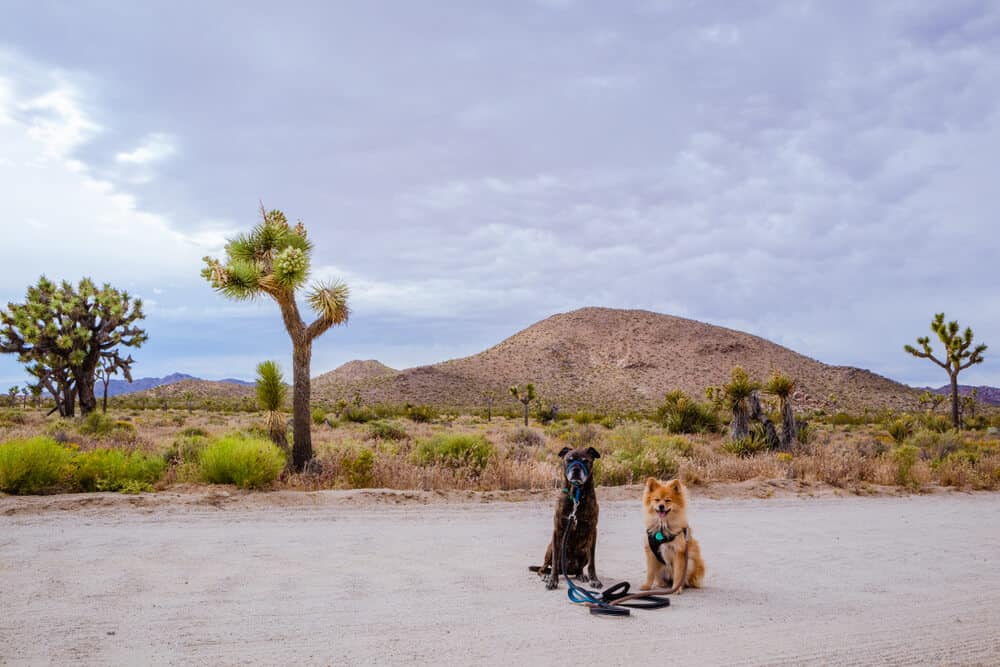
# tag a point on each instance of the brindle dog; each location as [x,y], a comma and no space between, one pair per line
[578,466]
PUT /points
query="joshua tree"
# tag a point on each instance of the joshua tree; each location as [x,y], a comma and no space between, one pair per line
[782,386]
[189,401]
[525,397]
[24,396]
[736,394]
[273,260]
[63,332]
[930,401]
[12,395]
[36,394]
[957,355]
[488,397]
[111,364]
[271,394]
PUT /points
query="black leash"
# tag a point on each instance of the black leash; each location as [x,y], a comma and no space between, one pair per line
[614,601]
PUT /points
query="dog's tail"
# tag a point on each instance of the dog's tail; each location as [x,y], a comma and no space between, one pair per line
[539,569]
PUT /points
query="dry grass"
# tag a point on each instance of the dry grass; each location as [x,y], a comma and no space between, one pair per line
[351,456]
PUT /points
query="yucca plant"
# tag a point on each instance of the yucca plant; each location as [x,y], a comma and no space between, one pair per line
[525,396]
[271,394]
[736,393]
[273,260]
[782,386]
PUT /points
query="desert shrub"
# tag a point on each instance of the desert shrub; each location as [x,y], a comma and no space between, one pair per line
[577,435]
[525,437]
[13,418]
[185,449]
[358,414]
[845,419]
[784,457]
[936,423]
[804,433]
[318,416]
[586,417]
[680,414]
[421,413]
[193,432]
[116,470]
[96,423]
[359,468]
[936,446]
[899,429]
[454,450]
[755,442]
[905,458]
[608,421]
[384,430]
[247,462]
[632,453]
[32,466]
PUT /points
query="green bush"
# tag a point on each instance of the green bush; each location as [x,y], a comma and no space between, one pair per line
[32,466]
[586,417]
[905,457]
[358,414]
[525,437]
[455,450]
[318,416]
[116,470]
[421,413]
[936,446]
[13,417]
[680,414]
[384,430]
[750,445]
[185,449]
[936,423]
[899,429]
[844,419]
[193,432]
[360,468]
[632,453]
[96,423]
[247,462]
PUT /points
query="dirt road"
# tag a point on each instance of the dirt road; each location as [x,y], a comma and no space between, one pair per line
[790,581]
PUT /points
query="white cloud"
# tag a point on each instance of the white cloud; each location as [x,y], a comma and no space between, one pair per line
[154,148]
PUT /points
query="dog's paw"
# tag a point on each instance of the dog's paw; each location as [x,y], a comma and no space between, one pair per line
[551,582]
[583,578]
[645,587]
[596,583]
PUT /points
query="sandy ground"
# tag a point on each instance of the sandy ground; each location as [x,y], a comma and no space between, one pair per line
[333,578]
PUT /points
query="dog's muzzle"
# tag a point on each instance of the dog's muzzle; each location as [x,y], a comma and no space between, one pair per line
[577,473]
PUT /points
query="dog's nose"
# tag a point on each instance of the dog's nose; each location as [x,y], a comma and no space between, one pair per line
[662,507]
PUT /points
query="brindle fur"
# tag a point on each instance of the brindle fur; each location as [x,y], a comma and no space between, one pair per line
[582,541]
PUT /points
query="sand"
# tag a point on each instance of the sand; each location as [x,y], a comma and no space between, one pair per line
[335,578]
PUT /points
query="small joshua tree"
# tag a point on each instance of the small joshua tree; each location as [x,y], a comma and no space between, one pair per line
[930,401]
[957,355]
[736,394]
[782,386]
[273,260]
[12,395]
[271,394]
[525,397]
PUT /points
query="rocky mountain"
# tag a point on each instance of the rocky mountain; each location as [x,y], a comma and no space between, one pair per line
[118,387]
[985,394]
[610,358]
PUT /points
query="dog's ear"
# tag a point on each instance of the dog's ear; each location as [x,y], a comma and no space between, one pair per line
[594,454]
[674,485]
[651,483]
[562,452]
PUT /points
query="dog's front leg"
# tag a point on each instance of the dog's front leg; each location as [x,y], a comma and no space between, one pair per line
[592,566]
[552,580]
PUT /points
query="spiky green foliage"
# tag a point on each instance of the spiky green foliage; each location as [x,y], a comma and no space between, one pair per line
[959,354]
[249,463]
[273,260]
[271,394]
[525,396]
[780,385]
[739,387]
[63,333]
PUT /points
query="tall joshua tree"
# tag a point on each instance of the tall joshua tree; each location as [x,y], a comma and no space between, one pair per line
[957,355]
[488,397]
[526,397]
[782,386]
[271,394]
[273,260]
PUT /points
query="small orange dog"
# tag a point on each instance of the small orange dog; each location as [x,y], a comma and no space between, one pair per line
[673,557]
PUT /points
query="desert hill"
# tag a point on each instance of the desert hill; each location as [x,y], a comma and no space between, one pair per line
[610,358]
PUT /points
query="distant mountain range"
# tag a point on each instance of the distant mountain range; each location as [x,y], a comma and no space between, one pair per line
[118,387]
[990,395]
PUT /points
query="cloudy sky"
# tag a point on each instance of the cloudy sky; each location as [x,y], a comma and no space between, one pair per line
[822,174]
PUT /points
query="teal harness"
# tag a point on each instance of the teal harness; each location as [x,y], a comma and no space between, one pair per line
[658,539]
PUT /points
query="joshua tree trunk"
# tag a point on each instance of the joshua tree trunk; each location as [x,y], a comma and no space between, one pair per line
[739,427]
[954,400]
[758,414]
[104,402]
[525,412]
[302,451]
[789,429]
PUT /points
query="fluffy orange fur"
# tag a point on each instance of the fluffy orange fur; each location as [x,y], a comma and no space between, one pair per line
[665,510]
